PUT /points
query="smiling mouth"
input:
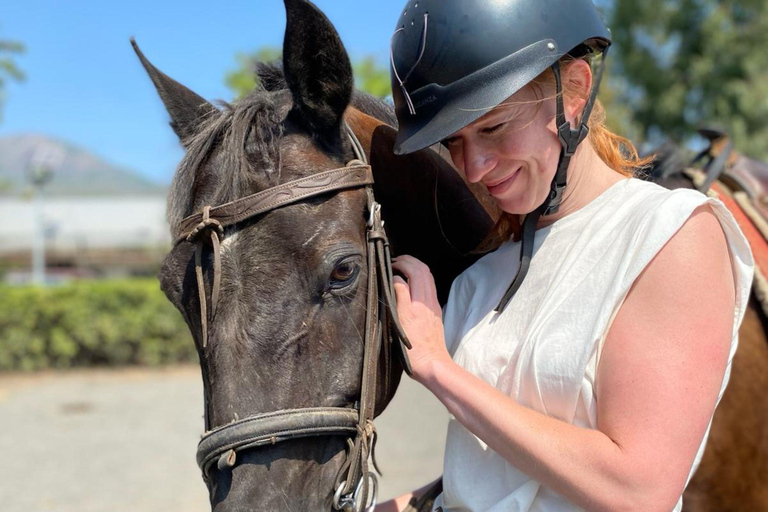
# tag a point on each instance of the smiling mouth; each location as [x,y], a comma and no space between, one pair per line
[497,186]
[497,183]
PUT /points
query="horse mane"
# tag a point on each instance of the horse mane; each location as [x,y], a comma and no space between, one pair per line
[247,131]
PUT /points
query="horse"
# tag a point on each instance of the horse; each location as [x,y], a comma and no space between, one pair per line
[733,474]
[280,269]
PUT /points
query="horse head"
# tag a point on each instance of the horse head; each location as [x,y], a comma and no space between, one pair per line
[277,302]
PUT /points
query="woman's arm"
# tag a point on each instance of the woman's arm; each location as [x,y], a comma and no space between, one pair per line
[657,383]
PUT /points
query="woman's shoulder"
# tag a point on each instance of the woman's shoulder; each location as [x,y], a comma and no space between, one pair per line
[655,207]
[632,218]
[634,207]
[647,197]
[690,225]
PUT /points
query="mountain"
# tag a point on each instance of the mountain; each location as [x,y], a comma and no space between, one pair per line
[76,171]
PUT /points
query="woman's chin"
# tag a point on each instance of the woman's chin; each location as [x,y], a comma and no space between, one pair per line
[516,206]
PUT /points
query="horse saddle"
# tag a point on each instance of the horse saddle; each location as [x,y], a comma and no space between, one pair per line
[741,183]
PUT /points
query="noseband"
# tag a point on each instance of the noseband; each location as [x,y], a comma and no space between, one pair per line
[220,446]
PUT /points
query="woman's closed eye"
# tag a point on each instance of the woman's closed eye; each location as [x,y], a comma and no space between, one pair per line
[493,129]
[454,141]
[451,141]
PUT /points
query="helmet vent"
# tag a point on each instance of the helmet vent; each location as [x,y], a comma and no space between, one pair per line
[402,81]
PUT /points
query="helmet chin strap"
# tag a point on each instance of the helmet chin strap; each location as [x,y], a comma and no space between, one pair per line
[569,139]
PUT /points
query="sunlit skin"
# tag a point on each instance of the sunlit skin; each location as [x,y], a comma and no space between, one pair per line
[513,150]
[662,363]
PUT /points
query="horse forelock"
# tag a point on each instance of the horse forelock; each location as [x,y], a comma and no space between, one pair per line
[244,138]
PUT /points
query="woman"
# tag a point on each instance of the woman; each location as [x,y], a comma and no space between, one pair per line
[590,382]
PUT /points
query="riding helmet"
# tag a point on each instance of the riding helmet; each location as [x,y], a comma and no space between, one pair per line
[454,60]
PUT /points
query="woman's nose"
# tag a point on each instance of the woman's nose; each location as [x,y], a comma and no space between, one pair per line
[478,161]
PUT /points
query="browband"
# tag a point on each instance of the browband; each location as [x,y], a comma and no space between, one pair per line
[355,174]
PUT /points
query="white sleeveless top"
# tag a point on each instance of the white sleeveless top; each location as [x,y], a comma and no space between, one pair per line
[544,348]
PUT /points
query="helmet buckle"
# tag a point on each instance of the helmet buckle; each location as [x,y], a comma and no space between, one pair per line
[570,138]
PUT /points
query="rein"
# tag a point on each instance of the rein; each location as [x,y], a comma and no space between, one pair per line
[221,445]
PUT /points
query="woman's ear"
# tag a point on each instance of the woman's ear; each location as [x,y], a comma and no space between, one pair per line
[577,84]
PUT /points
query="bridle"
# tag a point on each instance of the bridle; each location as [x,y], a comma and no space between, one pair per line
[221,445]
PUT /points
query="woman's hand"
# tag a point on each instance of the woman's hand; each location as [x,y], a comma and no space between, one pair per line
[420,315]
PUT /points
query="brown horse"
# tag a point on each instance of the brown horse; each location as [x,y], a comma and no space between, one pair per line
[733,475]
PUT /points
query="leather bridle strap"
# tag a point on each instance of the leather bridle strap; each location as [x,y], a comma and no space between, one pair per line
[220,446]
[212,221]
[353,175]
[381,324]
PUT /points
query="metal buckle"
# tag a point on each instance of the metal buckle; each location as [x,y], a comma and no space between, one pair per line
[338,502]
[373,493]
[374,211]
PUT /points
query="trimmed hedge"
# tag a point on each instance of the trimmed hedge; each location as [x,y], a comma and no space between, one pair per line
[91,323]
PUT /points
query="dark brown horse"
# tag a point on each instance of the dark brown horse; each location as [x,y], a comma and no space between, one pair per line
[733,475]
[291,308]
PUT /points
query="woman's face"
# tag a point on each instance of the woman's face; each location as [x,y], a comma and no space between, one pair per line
[513,150]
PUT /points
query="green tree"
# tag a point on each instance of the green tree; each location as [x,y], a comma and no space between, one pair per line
[372,78]
[243,80]
[688,63]
[369,75]
[9,70]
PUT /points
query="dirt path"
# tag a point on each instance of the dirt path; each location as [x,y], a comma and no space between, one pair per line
[120,441]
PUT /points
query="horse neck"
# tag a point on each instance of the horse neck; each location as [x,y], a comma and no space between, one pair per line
[430,211]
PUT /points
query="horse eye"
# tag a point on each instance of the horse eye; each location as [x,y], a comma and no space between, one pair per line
[344,272]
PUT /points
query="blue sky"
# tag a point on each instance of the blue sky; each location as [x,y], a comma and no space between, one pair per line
[85,85]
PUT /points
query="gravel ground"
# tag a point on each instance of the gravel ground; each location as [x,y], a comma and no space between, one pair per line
[124,440]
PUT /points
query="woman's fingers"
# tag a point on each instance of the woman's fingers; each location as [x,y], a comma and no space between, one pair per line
[402,291]
[419,312]
[409,263]
[420,281]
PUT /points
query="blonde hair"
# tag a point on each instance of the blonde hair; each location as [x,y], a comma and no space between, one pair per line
[617,152]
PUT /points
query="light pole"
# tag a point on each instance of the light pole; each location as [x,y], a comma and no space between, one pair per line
[40,170]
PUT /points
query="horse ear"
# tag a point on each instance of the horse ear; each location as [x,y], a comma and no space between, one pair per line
[187,109]
[316,67]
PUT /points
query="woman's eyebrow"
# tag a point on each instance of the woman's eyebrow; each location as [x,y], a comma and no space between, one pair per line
[495,115]
[492,118]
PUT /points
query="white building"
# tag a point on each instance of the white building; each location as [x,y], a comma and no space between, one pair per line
[75,224]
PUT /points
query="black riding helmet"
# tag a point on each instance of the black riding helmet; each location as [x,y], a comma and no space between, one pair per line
[454,60]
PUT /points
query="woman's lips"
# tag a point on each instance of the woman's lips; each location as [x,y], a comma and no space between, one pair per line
[502,186]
